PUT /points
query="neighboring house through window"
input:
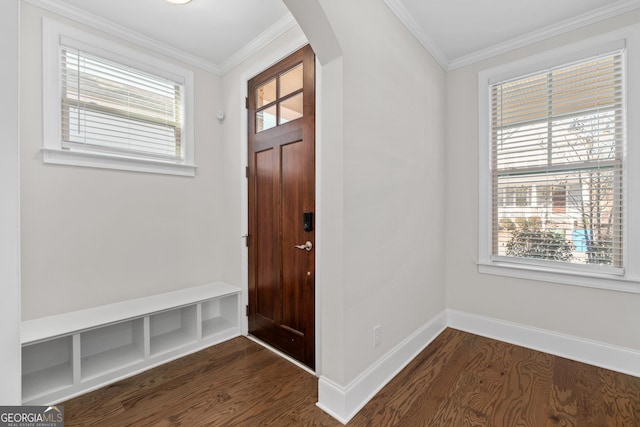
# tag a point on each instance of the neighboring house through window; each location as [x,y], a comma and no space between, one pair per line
[556,128]
[553,196]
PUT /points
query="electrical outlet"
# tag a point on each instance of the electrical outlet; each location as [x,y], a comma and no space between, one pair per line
[377,335]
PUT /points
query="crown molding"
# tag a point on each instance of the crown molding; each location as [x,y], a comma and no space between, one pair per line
[276,30]
[600,14]
[288,21]
[123,33]
[405,17]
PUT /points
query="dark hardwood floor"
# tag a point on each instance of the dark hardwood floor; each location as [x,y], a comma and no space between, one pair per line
[458,380]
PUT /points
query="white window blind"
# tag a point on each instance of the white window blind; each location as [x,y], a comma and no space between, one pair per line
[112,108]
[557,145]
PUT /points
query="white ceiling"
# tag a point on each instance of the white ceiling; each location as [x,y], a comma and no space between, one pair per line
[211,31]
[458,32]
[454,31]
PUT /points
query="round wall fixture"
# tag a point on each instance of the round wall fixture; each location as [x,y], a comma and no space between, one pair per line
[175,2]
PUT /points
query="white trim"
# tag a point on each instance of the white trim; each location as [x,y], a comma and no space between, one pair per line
[332,399]
[276,30]
[119,31]
[573,52]
[288,22]
[283,25]
[630,280]
[584,279]
[10,355]
[574,23]
[343,403]
[318,220]
[615,358]
[418,32]
[107,161]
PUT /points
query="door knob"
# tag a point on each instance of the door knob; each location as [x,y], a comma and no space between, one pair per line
[307,246]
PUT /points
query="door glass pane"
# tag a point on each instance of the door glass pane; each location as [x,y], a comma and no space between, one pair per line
[266,119]
[291,109]
[266,93]
[291,81]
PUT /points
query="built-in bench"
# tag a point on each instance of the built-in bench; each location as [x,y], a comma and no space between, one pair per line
[69,354]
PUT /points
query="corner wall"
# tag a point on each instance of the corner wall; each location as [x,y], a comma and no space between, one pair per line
[394,129]
[389,215]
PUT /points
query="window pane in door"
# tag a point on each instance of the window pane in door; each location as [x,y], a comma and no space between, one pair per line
[291,109]
[266,93]
[266,119]
[291,81]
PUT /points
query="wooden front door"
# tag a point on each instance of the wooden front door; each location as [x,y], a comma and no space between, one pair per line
[281,108]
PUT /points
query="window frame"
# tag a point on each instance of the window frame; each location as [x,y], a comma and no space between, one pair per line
[627,279]
[53,150]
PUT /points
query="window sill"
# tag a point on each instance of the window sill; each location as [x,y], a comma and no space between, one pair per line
[106,161]
[540,273]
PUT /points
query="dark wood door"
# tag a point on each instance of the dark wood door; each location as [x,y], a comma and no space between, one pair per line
[281,108]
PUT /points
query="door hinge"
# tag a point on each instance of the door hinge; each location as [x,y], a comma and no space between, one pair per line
[246,102]
[247,309]
[246,172]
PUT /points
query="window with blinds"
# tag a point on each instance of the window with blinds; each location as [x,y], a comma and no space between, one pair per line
[111,108]
[557,144]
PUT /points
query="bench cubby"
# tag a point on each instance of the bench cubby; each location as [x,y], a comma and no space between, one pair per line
[47,367]
[72,353]
[219,316]
[111,347]
[173,329]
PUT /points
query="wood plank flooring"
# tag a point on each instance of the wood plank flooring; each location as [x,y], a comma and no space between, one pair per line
[460,379]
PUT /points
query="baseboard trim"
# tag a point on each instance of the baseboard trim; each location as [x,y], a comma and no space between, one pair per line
[332,399]
[343,403]
[620,359]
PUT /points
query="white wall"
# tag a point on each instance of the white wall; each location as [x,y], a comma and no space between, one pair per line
[606,316]
[10,385]
[93,236]
[393,168]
